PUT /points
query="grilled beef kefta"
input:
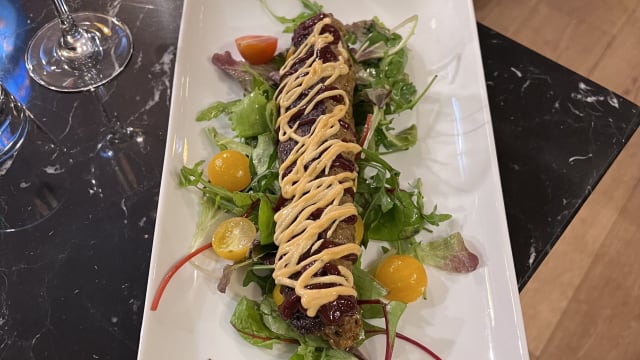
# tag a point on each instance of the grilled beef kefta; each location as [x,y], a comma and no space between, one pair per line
[315,222]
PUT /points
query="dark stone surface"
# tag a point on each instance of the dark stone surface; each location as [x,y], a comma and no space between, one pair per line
[73,286]
[556,135]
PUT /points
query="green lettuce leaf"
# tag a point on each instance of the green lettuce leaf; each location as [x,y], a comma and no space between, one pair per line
[449,254]
[249,117]
[272,319]
[394,312]
[368,288]
[306,352]
[247,320]
[226,143]
[266,224]
[264,281]
[217,109]
[261,157]
[209,215]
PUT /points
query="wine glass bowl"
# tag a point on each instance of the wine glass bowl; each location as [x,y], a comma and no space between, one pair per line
[33,178]
[78,52]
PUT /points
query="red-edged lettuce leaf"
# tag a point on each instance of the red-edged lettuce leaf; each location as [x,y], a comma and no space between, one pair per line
[449,253]
[244,72]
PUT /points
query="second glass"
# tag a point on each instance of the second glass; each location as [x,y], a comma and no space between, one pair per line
[33,177]
[78,52]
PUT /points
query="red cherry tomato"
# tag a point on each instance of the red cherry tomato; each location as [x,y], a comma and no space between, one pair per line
[257,49]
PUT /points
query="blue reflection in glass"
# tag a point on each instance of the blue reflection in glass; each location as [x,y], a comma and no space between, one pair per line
[13,71]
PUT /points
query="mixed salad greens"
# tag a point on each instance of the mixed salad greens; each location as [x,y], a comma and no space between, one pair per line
[390,214]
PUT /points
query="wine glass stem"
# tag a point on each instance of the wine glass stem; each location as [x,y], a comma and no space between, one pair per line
[79,48]
[67,25]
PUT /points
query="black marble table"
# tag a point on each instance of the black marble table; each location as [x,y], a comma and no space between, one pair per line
[73,286]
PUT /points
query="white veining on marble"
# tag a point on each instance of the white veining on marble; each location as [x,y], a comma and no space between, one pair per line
[70,119]
[587,97]
[572,160]
[161,82]
[53,169]
[113,7]
[532,255]
[136,25]
[574,110]
[137,65]
[524,87]
[613,100]
[124,209]
[583,86]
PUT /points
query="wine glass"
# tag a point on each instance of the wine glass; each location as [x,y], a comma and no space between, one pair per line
[78,52]
[33,178]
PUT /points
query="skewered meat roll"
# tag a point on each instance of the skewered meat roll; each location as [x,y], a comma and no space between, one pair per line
[315,225]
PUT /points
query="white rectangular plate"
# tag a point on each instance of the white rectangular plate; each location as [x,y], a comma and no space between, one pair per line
[468,316]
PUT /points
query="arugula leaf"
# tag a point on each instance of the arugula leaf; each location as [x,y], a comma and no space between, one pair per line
[193,176]
[226,143]
[247,320]
[400,141]
[390,213]
[449,254]
[233,202]
[312,8]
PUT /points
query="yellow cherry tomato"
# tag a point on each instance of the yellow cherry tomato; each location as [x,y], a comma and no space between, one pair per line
[277,296]
[359,231]
[230,170]
[233,237]
[403,276]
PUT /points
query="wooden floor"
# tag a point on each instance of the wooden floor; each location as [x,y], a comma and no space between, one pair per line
[584,301]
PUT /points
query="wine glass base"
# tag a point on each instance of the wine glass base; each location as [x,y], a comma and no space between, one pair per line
[50,70]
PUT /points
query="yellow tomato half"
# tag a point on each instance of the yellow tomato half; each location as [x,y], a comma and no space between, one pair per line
[403,276]
[233,237]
